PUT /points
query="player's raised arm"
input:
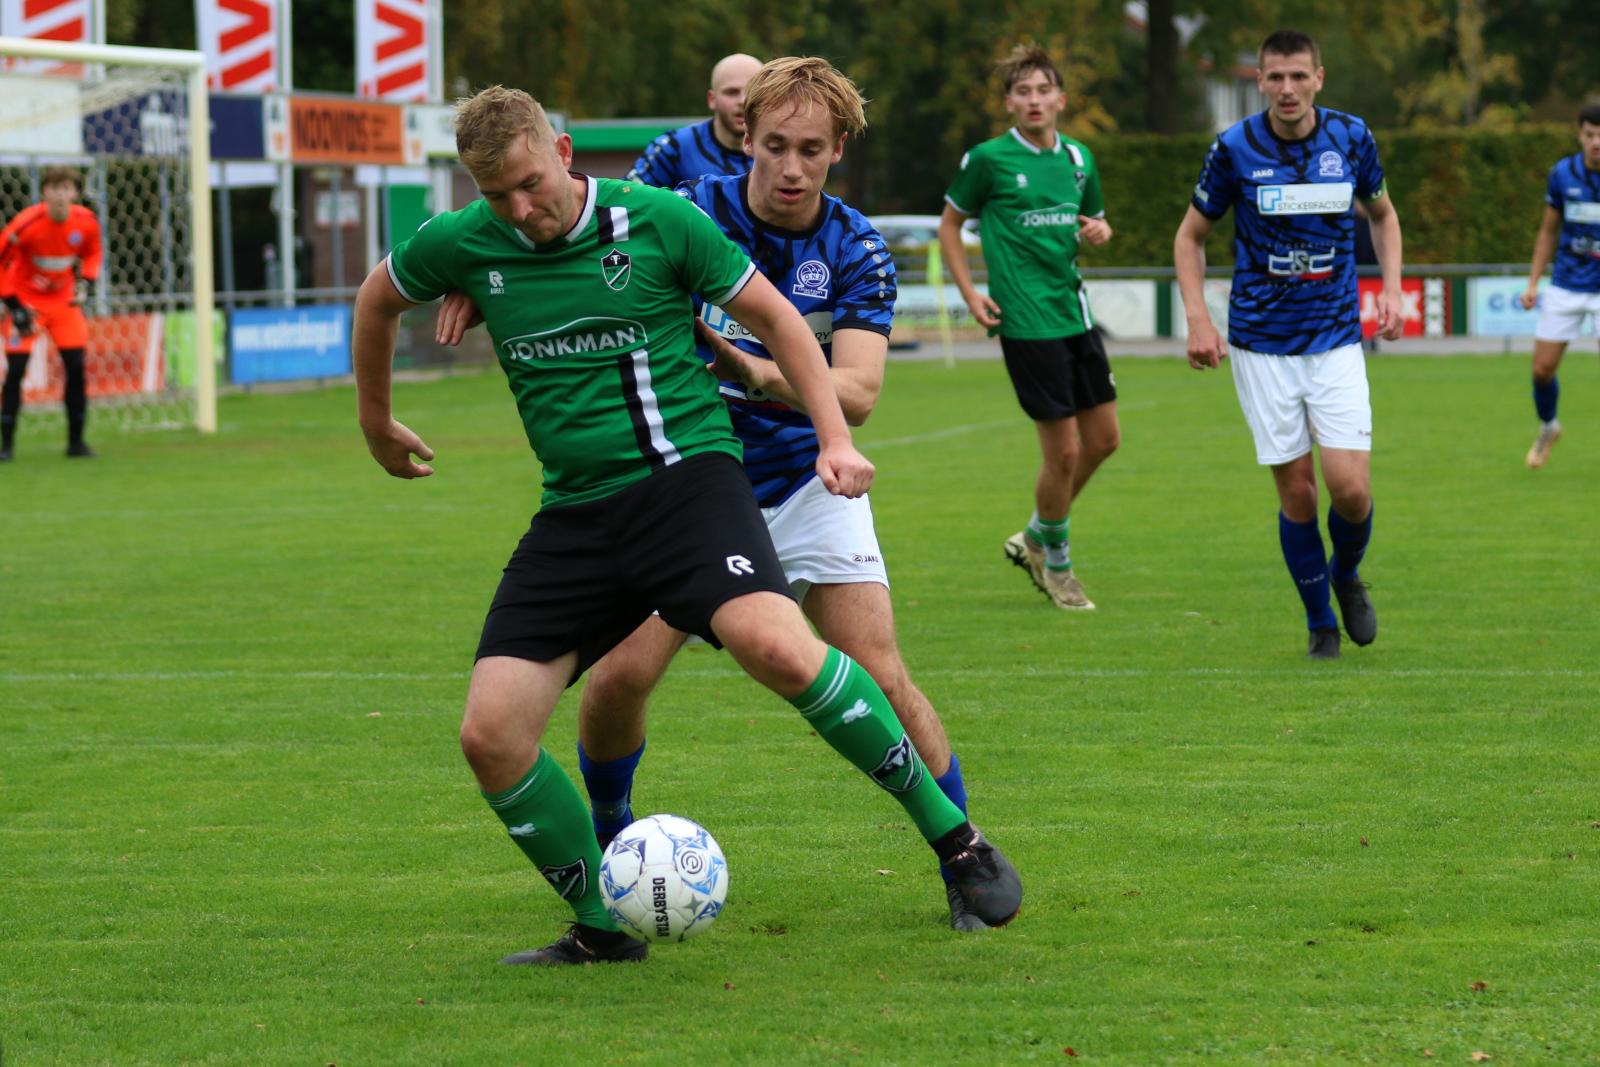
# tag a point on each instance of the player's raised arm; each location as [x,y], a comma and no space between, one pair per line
[379,306]
[775,322]
[1206,347]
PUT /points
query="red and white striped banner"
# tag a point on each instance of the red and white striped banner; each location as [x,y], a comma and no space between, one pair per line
[72,21]
[396,49]
[240,39]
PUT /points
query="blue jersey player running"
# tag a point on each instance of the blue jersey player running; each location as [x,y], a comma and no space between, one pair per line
[715,146]
[1292,174]
[832,265]
[1569,234]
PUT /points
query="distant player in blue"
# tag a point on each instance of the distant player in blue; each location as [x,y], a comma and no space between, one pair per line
[715,146]
[1570,234]
[1292,175]
[831,264]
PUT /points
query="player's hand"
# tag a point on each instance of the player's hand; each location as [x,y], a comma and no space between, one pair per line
[1093,230]
[728,361]
[22,321]
[844,471]
[80,293]
[1529,298]
[457,315]
[1207,350]
[985,312]
[1390,320]
[394,445]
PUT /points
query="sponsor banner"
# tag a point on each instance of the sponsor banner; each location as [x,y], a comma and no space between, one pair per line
[40,115]
[152,124]
[1495,310]
[1331,198]
[394,53]
[1124,309]
[327,130]
[68,21]
[431,132]
[1411,310]
[238,127]
[240,41]
[125,357]
[285,344]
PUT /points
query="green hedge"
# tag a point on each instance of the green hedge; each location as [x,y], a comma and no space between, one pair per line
[1463,197]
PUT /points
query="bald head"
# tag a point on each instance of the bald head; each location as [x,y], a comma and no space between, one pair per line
[726,97]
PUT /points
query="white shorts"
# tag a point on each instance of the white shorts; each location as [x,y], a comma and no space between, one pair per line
[1291,402]
[1562,313]
[824,539]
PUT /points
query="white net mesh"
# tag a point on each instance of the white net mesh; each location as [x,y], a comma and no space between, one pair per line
[124,127]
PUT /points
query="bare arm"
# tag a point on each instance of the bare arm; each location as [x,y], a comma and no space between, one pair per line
[1386,243]
[1544,250]
[1206,346]
[984,310]
[764,312]
[379,306]
[856,372]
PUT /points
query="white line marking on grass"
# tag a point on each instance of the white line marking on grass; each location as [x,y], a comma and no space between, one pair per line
[949,431]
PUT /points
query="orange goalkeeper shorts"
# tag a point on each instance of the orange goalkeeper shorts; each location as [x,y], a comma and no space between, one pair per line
[63,322]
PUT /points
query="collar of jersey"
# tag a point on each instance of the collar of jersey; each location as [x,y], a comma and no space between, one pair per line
[589,192]
[1316,127]
[1030,146]
[778,231]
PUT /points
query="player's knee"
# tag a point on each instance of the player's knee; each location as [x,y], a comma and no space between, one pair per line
[612,690]
[776,662]
[1104,444]
[485,736]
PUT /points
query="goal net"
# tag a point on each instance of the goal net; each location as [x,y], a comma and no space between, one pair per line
[131,122]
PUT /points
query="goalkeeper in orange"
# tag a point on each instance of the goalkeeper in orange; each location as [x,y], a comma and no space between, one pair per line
[49,254]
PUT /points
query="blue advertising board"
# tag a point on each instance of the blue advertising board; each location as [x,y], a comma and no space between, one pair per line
[238,127]
[1495,310]
[286,344]
[157,124]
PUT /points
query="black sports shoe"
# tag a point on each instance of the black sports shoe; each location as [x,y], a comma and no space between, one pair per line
[5,455]
[1355,608]
[1324,643]
[988,884]
[961,918]
[79,450]
[584,944]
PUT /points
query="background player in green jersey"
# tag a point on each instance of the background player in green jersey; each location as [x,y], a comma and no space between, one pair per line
[1037,195]
[586,291]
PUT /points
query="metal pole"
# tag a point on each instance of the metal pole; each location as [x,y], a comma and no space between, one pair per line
[225,225]
[336,194]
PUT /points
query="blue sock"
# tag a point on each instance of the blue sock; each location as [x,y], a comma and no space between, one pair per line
[1545,395]
[956,790]
[1349,544]
[610,787]
[1308,566]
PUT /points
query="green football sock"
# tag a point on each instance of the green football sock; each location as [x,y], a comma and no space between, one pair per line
[548,820]
[851,713]
[1054,537]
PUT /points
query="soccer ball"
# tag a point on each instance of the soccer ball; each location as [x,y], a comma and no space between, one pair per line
[663,879]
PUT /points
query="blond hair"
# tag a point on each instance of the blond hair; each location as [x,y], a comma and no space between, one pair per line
[807,82]
[489,122]
[1024,59]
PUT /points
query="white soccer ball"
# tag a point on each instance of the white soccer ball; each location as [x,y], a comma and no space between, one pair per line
[664,878]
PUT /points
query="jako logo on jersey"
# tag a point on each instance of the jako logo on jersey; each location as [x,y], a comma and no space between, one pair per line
[595,335]
[860,710]
[497,283]
[1330,165]
[811,279]
[616,267]
[1054,215]
[1261,172]
[740,565]
[1299,263]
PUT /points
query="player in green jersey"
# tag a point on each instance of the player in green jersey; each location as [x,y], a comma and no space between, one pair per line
[1037,196]
[585,286]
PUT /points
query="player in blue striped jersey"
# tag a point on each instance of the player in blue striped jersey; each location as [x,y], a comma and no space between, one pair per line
[1570,234]
[715,146]
[1292,175]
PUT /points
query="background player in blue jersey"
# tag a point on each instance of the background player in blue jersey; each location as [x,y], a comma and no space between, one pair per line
[831,264]
[1570,234]
[715,146]
[1292,174]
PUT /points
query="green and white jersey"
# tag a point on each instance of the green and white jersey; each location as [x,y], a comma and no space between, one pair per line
[595,330]
[1027,202]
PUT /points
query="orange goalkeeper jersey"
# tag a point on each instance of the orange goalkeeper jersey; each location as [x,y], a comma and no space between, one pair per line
[41,259]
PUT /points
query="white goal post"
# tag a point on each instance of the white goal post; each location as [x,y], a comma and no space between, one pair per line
[134,124]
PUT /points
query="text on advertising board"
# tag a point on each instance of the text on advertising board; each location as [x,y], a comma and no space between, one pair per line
[340,131]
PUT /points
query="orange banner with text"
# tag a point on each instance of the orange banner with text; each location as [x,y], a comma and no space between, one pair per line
[325,130]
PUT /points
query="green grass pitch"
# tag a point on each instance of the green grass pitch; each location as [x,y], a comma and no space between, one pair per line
[235,826]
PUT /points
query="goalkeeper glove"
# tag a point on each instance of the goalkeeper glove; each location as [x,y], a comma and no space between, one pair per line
[21,317]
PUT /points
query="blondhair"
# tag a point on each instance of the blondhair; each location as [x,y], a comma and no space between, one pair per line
[491,121]
[807,82]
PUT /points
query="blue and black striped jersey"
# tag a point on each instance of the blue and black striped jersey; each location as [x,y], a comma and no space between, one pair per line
[838,274]
[1574,190]
[1294,275]
[684,154]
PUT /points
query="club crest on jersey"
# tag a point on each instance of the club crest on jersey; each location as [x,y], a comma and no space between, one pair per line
[74,238]
[1330,165]
[811,279]
[1082,178]
[616,267]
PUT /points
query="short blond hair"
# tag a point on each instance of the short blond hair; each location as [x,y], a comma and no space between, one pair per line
[490,121]
[806,81]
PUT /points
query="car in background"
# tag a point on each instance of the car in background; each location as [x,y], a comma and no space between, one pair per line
[918,231]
